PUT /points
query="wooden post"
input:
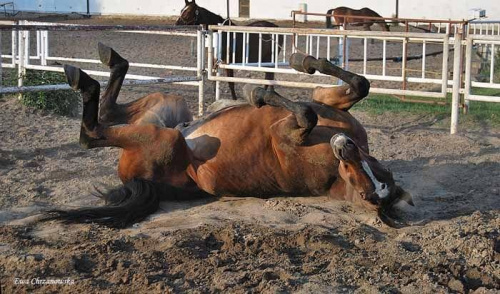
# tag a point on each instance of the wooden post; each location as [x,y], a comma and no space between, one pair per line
[457,56]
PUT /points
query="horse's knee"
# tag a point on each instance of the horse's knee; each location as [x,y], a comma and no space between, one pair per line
[323,65]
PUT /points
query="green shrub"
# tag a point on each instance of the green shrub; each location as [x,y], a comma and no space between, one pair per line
[63,102]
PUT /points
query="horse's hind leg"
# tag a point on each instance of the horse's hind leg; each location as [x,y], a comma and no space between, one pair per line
[342,97]
[296,126]
[90,90]
[109,111]
[92,133]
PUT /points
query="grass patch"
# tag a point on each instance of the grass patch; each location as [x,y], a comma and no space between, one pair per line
[63,102]
[479,112]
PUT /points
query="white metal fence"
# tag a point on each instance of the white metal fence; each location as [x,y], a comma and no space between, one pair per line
[336,45]
[491,68]
[22,58]
[329,44]
[413,64]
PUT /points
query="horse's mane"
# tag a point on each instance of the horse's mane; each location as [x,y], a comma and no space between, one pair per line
[208,17]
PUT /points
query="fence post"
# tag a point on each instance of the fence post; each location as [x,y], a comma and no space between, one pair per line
[444,72]
[468,63]
[200,72]
[21,70]
[1,61]
[404,63]
[14,47]
[219,53]
[456,82]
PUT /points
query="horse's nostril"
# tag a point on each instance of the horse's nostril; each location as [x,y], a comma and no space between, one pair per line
[383,186]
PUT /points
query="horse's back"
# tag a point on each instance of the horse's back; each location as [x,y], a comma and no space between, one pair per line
[263,23]
[368,12]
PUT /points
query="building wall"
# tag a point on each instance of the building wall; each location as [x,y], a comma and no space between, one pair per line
[266,9]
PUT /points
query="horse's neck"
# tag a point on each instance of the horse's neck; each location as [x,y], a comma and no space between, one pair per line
[209,18]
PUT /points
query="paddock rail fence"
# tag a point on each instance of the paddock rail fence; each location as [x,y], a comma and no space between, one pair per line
[410,63]
[23,57]
[336,45]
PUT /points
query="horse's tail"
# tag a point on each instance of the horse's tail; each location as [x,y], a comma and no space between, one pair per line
[125,205]
[329,18]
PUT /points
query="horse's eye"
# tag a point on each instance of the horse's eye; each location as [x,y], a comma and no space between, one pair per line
[362,194]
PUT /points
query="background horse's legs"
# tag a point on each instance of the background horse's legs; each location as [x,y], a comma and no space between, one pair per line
[343,97]
[296,126]
[230,74]
[109,112]
[269,76]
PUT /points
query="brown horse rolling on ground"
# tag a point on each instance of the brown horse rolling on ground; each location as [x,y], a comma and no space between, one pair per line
[339,12]
[271,147]
[192,14]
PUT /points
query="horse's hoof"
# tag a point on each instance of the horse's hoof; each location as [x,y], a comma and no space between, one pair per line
[339,143]
[72,76]
[105,53]
[303,63]
[255,95]
[108,56]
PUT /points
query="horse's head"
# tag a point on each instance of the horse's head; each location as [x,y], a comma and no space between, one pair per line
[189,14]
[367,181]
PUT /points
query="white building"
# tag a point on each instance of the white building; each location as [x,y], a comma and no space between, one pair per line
[266,9]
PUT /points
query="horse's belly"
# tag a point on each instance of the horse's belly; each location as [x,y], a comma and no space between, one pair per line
[265,170]
[236,154]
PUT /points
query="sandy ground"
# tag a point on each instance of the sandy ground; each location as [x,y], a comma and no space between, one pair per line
[294,244]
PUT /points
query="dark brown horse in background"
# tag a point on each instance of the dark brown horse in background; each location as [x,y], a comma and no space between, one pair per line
[192,14]
[339,13]
[278,147]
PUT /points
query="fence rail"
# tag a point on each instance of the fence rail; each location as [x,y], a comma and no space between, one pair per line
[319,43]
[20,54]
[335,45]
[408,53]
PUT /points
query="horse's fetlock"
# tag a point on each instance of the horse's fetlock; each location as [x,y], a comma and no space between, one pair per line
[310,117]
[85,141]
[361,85]
[323,64]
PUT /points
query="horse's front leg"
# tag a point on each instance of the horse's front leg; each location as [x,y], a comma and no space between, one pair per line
[342,97]
[297,125]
